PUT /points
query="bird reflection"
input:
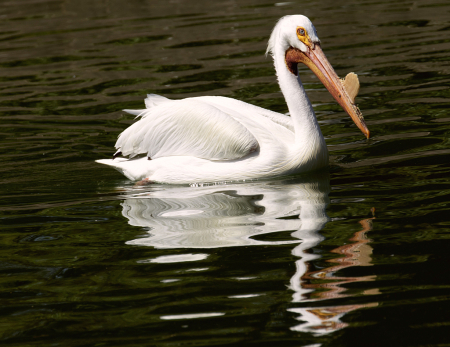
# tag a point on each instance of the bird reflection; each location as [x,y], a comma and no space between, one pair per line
[243,214]
[227,215]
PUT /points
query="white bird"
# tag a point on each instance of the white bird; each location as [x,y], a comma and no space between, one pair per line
[219,139]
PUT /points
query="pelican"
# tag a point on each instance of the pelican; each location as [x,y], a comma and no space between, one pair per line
[219,139]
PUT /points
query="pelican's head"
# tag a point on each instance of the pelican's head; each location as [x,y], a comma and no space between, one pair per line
[295,31]
[296,39]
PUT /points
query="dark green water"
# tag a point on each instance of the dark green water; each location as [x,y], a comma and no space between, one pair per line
[357,256]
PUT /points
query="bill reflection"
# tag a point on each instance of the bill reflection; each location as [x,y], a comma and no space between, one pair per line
[324,284]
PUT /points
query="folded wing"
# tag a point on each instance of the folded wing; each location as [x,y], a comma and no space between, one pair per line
[188,128]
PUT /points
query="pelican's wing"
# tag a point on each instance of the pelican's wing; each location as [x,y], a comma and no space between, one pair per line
[152,100]
[188,128]
[155,100]
[246,109]
[243,108]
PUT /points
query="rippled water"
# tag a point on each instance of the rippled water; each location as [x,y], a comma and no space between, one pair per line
[354,256]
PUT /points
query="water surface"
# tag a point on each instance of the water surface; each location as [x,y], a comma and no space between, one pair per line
[356,255]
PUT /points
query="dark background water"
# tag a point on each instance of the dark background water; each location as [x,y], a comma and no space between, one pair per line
[87,259]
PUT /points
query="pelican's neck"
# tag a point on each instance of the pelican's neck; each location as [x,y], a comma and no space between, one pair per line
[310,150]
[300,108]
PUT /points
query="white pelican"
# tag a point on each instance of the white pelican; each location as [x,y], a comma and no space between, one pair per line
[217,139]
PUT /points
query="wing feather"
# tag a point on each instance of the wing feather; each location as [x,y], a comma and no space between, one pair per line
[188,128]
[155,100]
[249,109]
[152,100]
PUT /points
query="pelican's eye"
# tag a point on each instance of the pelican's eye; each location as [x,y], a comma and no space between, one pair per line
[304,37]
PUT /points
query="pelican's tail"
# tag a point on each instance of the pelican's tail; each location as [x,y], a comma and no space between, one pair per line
[129,168]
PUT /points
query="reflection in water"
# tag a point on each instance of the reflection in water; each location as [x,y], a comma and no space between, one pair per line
[355,254]
[246,214]
[323,320]
[228,215]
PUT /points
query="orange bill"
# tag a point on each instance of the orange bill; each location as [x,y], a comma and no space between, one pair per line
[316,60]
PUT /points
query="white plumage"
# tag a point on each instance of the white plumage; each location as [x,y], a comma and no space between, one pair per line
[222,137]
[210,139]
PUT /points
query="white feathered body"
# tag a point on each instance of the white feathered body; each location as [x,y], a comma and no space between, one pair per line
[212,139]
